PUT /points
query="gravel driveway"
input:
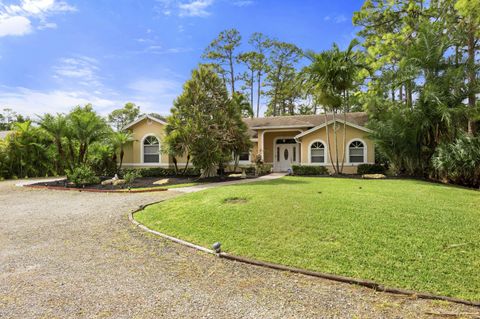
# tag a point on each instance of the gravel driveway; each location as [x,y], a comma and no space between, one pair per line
[72,254]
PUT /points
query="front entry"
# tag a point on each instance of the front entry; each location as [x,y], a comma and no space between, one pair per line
[286,155]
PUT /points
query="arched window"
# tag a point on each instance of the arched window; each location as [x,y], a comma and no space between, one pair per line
[151,150]
[317,152]
[356,152]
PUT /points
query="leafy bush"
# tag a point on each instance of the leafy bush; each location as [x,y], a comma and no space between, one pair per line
[370,169]
[160,171]
[309,170]
[261,169]
[131,176]
[82,175]
[459,162]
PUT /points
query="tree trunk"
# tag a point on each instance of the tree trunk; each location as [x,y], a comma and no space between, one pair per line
[335,141]
[328,141]
[259,91]
[175,164]
[209,172]
[232,74]
[471,77]
[122,153]
[344,130]
[251,91]
[186,165]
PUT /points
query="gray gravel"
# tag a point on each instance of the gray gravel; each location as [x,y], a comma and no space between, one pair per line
[72,254]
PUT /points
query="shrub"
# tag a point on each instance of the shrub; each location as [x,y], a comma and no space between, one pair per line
[370,169]
[160,171]
[459,162]
[131,176]
[309,170]
[260,169]
[82,175]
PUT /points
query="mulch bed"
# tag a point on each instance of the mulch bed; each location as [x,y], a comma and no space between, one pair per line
[138,186]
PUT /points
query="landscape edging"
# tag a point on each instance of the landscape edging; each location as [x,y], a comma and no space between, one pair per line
[349,280]
[92,190]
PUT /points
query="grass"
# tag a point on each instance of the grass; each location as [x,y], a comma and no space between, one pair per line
[403,233]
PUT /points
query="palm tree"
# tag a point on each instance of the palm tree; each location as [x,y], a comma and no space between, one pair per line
[86,127]
[119,140]
[333,73]
[178,138]
[56,128]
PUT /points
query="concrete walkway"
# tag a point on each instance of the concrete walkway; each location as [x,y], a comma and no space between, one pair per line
[197,188]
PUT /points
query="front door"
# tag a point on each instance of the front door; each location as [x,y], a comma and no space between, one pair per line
[286,156]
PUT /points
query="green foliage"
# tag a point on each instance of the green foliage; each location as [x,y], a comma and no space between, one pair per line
[222,52]
[101,159]
[159,172]
[131,176]
[258,169]
[370,169]
[119,118]
[206,122]
[459,162]
[118,140]
[309,170]
[82,175]
[400,233]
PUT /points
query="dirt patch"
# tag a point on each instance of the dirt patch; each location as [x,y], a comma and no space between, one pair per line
[235,200]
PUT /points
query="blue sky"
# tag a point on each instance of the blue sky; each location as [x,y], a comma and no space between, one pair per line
[57,54]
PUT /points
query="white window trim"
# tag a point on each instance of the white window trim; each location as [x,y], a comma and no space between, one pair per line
[310,153]
[365,152]
[142,160]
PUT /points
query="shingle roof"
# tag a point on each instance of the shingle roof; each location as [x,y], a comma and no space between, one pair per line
[358,118]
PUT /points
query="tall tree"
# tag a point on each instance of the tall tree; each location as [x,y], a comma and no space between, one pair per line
[261,45]
[222,52]
[214,121]
[85,127]
[469,11]
[281,77]
[56,128]
[334,73]
[119,118]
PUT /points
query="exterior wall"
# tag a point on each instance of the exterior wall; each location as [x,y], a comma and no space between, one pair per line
[351,134]
[133,151]
[268,137]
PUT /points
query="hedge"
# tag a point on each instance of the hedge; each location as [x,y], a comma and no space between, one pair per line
[370,169]
[263,169]
[161,171]
[309,170]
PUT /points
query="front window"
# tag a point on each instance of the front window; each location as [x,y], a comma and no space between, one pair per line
[244,156]
[356,152]
[151,150]
[317,152]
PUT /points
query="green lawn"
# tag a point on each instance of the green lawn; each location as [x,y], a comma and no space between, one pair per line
[401,233]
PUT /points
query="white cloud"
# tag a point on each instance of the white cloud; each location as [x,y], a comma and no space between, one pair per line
[14,26]
[83,70]
[185,8]
[155,95]
[31,102]
[243,3]
[47,25]
[337,18]
[197,8]
[16,19]
[340,18]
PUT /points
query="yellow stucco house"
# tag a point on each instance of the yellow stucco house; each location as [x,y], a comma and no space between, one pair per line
[281,141]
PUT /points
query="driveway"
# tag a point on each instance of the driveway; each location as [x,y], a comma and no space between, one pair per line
[72,254]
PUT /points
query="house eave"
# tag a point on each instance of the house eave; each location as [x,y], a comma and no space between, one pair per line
[318,127]
[143,118]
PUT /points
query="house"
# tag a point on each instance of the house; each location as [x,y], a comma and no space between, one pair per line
[281,141]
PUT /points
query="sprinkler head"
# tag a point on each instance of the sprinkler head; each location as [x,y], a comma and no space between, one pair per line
[217,247]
